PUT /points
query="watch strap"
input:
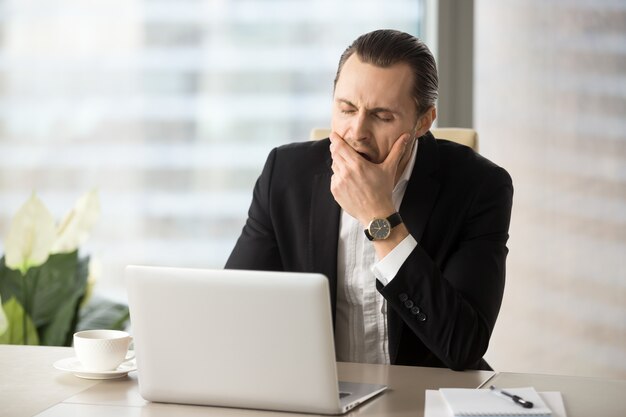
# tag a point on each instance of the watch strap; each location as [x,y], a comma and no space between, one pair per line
[394,219]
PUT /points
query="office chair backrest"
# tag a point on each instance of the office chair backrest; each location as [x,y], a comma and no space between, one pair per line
[467,137]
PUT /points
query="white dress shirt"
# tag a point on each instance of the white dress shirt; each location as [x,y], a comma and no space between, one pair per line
[361,319]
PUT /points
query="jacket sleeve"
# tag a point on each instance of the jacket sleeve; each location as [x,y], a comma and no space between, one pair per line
[451,305]
[257,248]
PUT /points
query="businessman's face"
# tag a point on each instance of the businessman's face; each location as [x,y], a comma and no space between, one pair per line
[373,107]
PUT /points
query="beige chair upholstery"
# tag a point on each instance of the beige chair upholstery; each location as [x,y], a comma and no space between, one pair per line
[319,133]
[467,137]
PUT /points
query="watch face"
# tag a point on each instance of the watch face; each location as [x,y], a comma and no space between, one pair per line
[380,229]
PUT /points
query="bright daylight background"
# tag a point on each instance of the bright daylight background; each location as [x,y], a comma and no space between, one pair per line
[169,108]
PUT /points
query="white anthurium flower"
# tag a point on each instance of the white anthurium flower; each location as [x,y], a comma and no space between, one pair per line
[95,270]
[75,227]
[4,324]
[31,235]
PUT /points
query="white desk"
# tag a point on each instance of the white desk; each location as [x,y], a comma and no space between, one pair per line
[29,385]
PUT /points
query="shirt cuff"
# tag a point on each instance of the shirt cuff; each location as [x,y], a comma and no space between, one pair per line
[387,268]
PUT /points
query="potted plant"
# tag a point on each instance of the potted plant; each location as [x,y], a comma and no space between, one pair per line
[45,286]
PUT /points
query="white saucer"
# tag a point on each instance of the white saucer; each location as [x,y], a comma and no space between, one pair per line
[74,366]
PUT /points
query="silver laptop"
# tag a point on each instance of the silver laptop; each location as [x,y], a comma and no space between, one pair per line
[245,339]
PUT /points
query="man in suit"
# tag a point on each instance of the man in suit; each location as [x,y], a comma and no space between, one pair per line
[411,231]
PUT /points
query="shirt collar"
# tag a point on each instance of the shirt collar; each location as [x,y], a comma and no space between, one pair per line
[408,170]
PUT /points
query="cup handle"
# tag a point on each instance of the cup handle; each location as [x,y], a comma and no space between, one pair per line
[131,353]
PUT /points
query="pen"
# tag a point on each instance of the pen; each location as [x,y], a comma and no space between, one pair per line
[515,398]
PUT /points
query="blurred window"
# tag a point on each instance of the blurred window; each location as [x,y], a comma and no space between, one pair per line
[168,108]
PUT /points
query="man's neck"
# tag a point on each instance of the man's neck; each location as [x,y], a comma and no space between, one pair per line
[404,162]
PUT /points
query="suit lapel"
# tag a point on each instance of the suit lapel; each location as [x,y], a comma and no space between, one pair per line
[417,204]
[422,189]
[324,232]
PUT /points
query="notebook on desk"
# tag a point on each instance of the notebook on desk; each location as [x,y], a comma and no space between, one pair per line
[483,402]
[245,339]
[456,402]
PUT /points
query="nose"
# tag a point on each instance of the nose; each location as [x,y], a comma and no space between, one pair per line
[359,128]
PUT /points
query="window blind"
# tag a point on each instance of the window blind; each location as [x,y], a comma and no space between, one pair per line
[168,108]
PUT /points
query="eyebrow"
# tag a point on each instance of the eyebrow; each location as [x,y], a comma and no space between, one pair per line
[374,110]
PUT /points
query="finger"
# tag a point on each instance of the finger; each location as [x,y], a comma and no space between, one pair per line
[334,136]
[338,144]
[397,151]
[339,165]
[339,147]
[334,139]
[336,155]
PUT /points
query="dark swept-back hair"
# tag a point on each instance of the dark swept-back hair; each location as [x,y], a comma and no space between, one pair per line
[385,47]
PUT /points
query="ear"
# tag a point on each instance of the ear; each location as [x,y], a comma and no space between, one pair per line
[426,121]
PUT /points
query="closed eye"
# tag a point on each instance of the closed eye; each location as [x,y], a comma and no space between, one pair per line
[384,117]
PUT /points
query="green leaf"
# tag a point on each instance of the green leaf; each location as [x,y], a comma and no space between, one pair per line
[15,317]
[52,285]
[4,323]
[10,283]
[53,292]
[101,313]
[58,285]
[56,291]
[57,332]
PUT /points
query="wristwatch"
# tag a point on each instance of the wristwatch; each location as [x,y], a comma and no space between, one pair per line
[380,229]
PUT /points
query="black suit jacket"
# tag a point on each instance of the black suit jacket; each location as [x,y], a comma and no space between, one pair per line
[457,206]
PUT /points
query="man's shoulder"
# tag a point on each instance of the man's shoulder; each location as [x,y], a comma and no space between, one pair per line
[463,162]
[306,147]
[311,156]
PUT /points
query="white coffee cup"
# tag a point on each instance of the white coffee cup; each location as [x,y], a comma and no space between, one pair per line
[102,350]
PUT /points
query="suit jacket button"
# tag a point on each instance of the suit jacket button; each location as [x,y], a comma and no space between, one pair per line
[408,304]
[415,310]
[421,317]
[403,297]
